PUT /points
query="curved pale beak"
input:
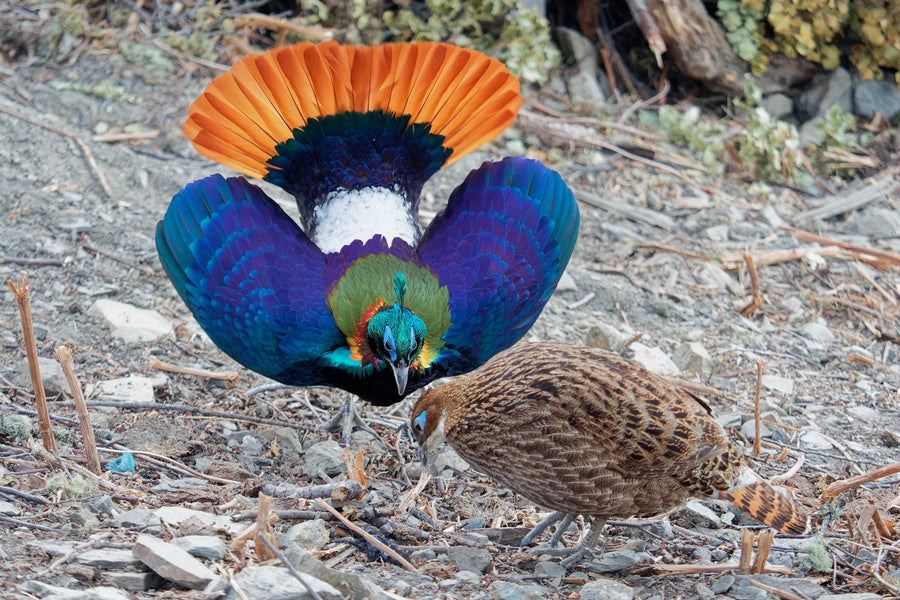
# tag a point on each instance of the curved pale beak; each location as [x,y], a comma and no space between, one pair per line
[401,375]
[423,454]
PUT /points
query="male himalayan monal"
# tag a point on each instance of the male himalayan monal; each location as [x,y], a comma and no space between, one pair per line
[359,299]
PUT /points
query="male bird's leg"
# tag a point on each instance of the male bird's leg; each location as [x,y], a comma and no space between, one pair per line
[346,418]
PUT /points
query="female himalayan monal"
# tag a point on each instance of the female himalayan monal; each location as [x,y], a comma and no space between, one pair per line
[584,431]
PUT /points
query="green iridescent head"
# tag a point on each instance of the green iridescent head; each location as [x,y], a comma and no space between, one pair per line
[396,335]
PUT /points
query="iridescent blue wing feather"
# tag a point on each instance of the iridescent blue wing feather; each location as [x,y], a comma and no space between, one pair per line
[252,278]
[500,247]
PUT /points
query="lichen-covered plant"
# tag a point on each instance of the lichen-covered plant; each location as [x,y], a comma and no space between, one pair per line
[811,28]
[519,38]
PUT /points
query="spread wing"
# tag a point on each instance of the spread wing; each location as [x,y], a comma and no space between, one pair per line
[252,278]
[500,247]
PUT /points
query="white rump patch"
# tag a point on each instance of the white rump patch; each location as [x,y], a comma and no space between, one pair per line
[349,215]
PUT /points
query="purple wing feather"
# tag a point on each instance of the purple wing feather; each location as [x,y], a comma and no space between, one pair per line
[500,247]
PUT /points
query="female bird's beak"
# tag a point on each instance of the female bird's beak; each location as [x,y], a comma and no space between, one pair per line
[401,375]
[423,454]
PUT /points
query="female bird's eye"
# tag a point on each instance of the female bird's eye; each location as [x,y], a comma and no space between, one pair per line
[419,424]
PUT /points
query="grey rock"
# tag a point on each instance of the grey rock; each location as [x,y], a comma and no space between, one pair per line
[782,385]
[653,359]
[129,323]
[8,509]
[605,336]
[285,437]
[697,514]
[203,546]
[504,590]
[138,518]
[553,570]
[730,419]
[770,215]
[717,233]
[326,456]
[811,132]
[813,440]
[744,590]
[718,278]
[252,446]
[818,332]
[478,538]
[175,485]
[566,283]
[107,558]
[350,585]
[309,535]
[795,585]
[864,413]
[704,592]
[470,559]
[748,430]
[583,84]
[128,389]
[102,505]
[83,518]
[51,376]
[876,222]
[136,581]
[52,592]
[871,97]
[606,589]
[693,358]
[856,596]
[778,105]
[449,459]
[722,584]
[277,583]
[612,562]
[172,563]
[468,577]
[838,92]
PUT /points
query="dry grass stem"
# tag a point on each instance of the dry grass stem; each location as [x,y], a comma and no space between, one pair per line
[126,137]
[40,398]
[368,537]
[780,479]
[171,368]
[687,569]
[839,487]
[885,255]
[413,493]
[763,548]
[756,297]
[313,33]
[264,520]
[746,558]
[864,273]
[64,356]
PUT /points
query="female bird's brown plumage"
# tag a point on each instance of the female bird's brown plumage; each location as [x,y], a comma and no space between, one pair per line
[584,431]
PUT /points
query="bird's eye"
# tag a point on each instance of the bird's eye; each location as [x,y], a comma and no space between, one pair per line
[419,424]
[388,339]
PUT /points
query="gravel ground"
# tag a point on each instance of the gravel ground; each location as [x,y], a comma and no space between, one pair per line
[826,335]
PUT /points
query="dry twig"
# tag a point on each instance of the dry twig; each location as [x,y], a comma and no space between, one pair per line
[368,537]
[839,487]
[757,438]
[64,356]
[756,297]
[172,368]
[40,398]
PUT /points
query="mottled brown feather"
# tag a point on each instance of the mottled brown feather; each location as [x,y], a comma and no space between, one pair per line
[584,431]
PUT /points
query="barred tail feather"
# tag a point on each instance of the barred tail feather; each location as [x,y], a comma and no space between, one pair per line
[765,504]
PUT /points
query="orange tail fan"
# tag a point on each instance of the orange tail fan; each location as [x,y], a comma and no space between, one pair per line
[462,95]
[763,502]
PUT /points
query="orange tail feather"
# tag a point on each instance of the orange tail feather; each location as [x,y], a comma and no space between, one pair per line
[763,502]
[242,115]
